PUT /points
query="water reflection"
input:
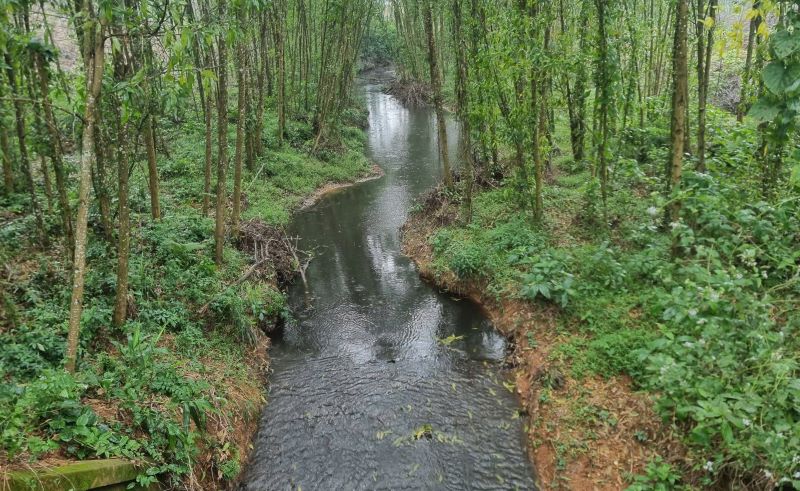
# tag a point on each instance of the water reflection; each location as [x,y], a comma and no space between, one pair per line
[363,370]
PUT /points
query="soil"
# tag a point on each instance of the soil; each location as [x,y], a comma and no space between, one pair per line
[584,434]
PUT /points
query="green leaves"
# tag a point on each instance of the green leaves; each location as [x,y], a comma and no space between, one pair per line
[780,106]
[785,43]
[764,110]
[781,79]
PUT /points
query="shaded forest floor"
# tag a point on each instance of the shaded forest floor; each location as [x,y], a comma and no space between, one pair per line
[638,368]
[181,386]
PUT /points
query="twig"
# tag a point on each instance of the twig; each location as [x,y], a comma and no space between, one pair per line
[247,274]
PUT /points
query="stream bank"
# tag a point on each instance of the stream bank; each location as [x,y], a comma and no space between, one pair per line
[179,389]
[583,433]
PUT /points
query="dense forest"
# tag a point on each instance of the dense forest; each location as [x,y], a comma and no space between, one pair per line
[625,202]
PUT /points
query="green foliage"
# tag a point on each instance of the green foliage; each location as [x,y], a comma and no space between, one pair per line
[546,276]
[658,476]
[380,46]
[703,314]
[162,393]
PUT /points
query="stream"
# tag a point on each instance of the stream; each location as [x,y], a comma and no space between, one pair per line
[364,393]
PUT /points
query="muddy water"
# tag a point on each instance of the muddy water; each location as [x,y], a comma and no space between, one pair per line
[364,393]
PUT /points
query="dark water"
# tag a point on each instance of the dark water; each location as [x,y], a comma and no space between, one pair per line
[364,395]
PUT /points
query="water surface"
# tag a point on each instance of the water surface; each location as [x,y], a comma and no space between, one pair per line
[364,393]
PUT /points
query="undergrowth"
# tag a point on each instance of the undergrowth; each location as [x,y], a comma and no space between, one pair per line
[702,313]
[165,388]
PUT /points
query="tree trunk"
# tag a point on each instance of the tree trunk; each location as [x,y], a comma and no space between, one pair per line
[222,142]
[604,102]
[152,170]
[57,153]
[278,26]
[123,244]
[19,113]
[5,149]
[93,63]
[679,103]
[241,81]
[704,74]
[537,120]
[744,95]
[99,182]
[436,86]
[462,96]
[209,156]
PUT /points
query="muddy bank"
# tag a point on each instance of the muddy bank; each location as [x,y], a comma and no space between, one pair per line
[375,172]
[588,433]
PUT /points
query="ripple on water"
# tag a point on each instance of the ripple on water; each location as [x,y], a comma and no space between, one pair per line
[364,393]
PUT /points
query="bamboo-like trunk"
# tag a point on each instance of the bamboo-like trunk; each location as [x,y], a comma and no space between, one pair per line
[462,96]
[702,86]
[280,55]
[208,155]
[603,105]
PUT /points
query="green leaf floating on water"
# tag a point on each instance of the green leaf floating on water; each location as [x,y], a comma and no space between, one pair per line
[450,339]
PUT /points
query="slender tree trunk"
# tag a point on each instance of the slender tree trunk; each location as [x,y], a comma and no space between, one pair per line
[205,100]
[209,156]
[280,54]
[99,181]
[744,96]
[48,186]
[222,142]
[604,103]
[123,244]
[19,112]
[8,169]
[704,75]
[679,103]
[436,85]
[537,123]
[152,170]
[56,153]
[462,96]
[262,68]
[241,81]
[93,42]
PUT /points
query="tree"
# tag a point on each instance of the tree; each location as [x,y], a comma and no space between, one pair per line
[436,87]
[679,103]
[93,45]
[222,136]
